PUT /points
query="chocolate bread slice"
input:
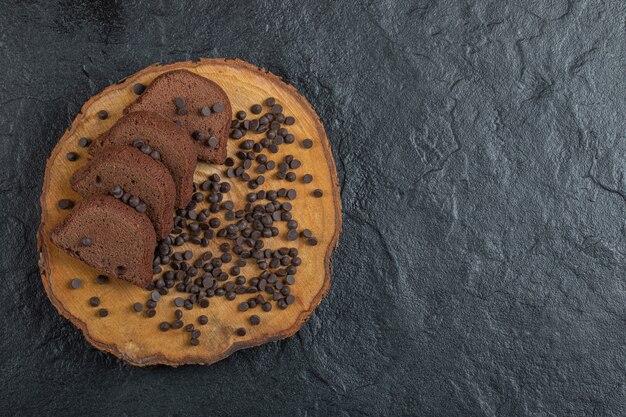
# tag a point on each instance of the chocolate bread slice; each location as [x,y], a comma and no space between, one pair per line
[111,237]
[174,146]
[136,173]
[195,102]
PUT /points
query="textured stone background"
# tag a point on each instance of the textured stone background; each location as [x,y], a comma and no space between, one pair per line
[481,147]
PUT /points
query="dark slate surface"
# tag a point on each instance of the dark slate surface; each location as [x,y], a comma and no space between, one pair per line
[481,149]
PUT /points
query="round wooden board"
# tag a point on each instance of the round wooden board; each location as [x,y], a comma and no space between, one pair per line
[132,336]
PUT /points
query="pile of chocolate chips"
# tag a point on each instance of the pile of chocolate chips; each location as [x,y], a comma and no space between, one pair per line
[244,231]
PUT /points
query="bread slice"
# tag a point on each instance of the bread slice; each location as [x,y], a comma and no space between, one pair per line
[164,96]
[177,151]
[111,237]
[137,174]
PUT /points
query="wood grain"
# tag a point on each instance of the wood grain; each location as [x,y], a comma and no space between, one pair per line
[136,338]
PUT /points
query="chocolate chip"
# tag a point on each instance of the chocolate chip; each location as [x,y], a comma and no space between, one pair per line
[72,156]
[236,134]
[240,331]
[102,279]
[84,142]
[197,135]
[85,241]
[205,111]
[151,313]
[256,109]
[290,176]
[138,307]
[103,312]
[203,319]
[266,307]
[155,295]
[182,112]
[307,233]
[291,194]
[289,120]
[194,342]
[255,320]
[164,326]
[307,178]
[243,306]
[270,101]
[292,235]
[65,204]
[212,142]
[103,114]
[307,143]
[179,102]
[94,301]
[312,241]
[179,302]
[141,207]
[139,88]
[241,115]
[76,283]
[218,107]
[277,108]
[177,324]
[204,303]
[318,193]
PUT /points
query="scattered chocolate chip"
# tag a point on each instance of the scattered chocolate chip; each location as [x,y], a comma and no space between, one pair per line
[307,233]
[155,295]
[151,312]
[255,320]
[84,142]
[243,306]
[203,319]
[218,107]
[289,120]
[103,312]
[76,283]
[256,109]
[164,326]
[102,279]
[212,142]
[72,156]
[194,342]
[182,111]
[139,88]
[307,143]
[292,235]
[318,193]
[312,241]
[240,331]
[103,114]
[179,302]
[205,111]
[94,301]
[138,307]
[266,307]
[65,204]
[197,135]
[179,102]
[270,101]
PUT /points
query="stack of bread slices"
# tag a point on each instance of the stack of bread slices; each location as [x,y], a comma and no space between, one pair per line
[140,171]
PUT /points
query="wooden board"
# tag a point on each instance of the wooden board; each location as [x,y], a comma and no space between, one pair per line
[136,338]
